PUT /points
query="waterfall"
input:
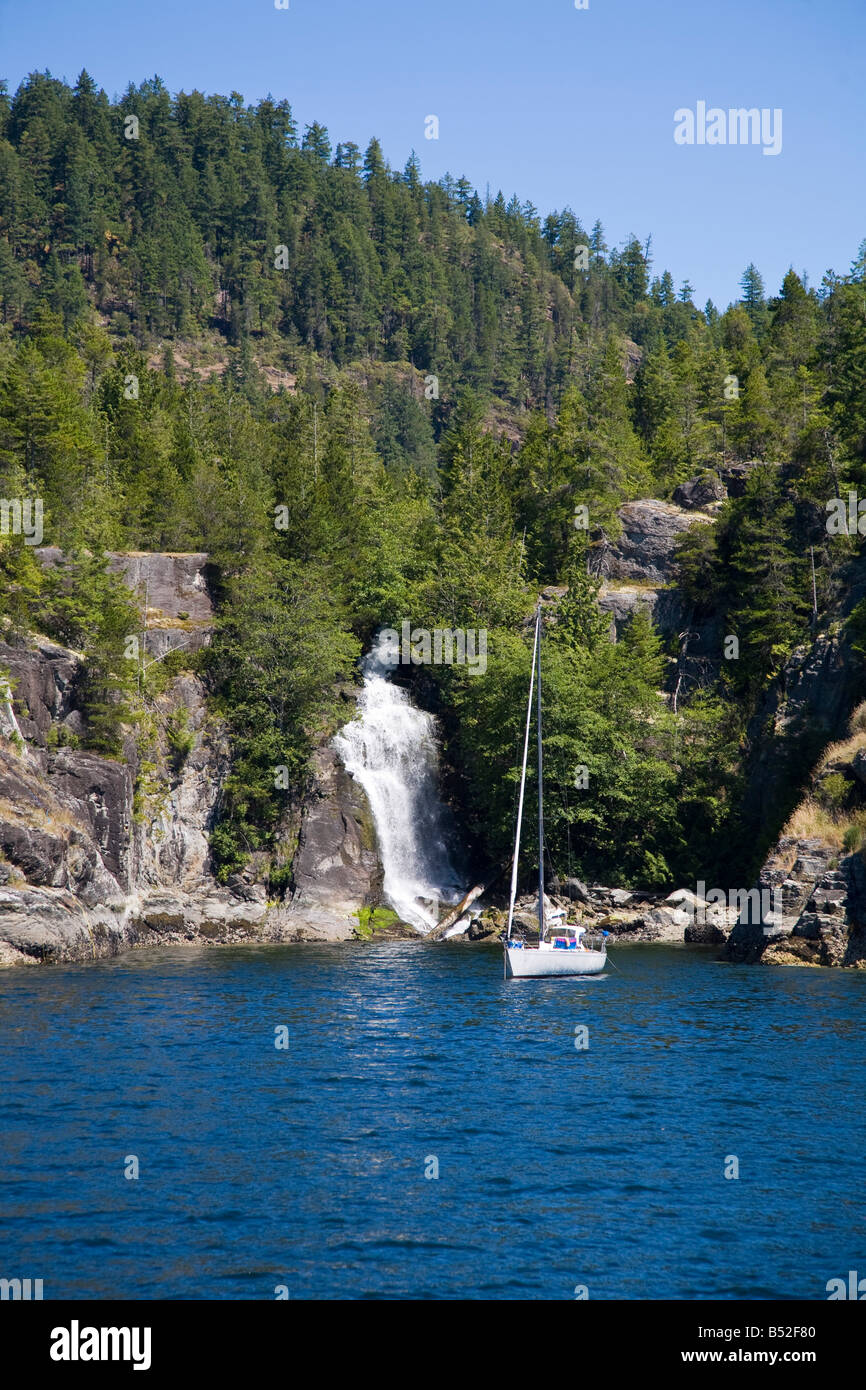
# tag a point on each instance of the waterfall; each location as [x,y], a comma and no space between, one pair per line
[391,749]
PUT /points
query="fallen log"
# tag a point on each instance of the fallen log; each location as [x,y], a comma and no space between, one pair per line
[436,933]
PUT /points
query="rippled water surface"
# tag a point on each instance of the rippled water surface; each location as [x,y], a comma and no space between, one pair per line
[305,1167]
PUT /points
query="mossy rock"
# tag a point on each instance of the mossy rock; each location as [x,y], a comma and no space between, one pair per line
[382,924]
[367,827]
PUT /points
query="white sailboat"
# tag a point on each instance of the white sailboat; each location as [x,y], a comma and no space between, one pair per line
[560,949]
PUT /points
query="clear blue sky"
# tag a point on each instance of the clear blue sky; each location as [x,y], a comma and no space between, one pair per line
[533,96]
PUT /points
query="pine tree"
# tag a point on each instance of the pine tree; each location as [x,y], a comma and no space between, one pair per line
[765,577]
[752,286]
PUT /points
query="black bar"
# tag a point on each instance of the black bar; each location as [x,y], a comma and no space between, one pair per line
[229,1338]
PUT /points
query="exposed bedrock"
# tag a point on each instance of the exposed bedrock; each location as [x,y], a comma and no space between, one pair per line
[645,549]
[820,897]
[336,867]
[96,858]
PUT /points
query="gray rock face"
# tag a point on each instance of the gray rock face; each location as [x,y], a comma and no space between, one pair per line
[179,608]
[175,583]
[803,711]
[823,909]
[645,549]
[638,573]
[87,870]
[82,877]
[102,793]
[666,607]
[336,868]
[171,844]
[43,679]
[52,925]
[700,492]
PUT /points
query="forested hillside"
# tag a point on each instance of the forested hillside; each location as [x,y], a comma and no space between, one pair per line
[372,398]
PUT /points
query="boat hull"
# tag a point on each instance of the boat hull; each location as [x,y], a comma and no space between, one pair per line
[531,963]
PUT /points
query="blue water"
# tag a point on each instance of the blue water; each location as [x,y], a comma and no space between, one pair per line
[306,1167]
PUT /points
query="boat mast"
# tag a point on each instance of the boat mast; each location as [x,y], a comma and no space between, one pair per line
[540,791]
[522,786]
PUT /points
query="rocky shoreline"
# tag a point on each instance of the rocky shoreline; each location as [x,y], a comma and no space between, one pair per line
[96,859]
[628,916]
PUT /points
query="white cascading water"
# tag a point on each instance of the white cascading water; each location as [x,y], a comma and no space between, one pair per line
[391,749]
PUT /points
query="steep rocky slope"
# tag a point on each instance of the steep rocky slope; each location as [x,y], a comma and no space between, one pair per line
[95,858]
[816,870]
[638,571]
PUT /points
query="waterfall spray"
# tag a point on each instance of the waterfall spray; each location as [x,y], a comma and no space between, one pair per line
[391,749]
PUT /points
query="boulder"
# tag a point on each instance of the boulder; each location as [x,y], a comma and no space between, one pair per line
[620,896]
[490,924]
[575,890]
[704,933]
[700,492]
[686,899]
[526,923]
[665,924]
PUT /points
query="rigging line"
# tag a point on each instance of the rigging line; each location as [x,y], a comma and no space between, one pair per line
[564,788]
[554,872]
[540,788]
[513,892]
[515,795]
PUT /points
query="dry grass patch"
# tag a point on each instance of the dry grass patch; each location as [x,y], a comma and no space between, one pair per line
[857,722]
[812,821]
[843,751]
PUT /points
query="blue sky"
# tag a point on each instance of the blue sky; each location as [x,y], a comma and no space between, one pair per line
[562,106]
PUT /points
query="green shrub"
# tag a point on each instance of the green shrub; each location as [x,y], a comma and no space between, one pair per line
[834,790]
[60,737]
[279,880]
[181,738]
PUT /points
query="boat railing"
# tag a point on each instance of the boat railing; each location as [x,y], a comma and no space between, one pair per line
[590,941]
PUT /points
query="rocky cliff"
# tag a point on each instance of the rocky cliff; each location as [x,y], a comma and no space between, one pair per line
[638,571]
[814,878]
[98,855]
